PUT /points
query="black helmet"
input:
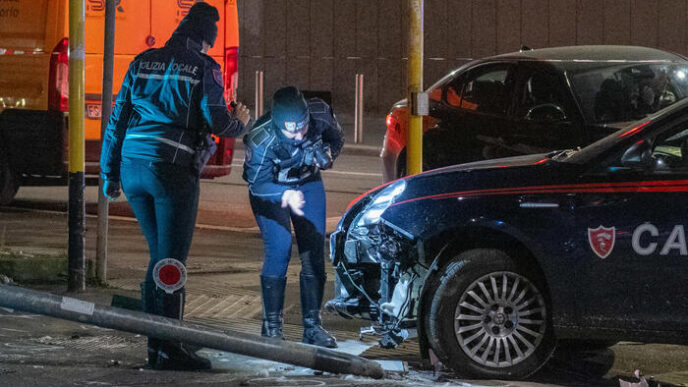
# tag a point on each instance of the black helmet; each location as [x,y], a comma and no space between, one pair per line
[289,109]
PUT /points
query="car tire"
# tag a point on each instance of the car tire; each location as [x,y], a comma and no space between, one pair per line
[8,181]
[507,334]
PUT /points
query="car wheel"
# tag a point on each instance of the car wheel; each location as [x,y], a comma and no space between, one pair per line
[489,318]
[8,182]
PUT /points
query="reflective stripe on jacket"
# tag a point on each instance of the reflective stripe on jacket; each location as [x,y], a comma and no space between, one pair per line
[169,97]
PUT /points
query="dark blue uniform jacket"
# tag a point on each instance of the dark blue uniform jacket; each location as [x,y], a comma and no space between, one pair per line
[275,164]
[169,96]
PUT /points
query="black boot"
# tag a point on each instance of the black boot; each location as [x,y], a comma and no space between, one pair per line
[174,355]
[177,356]
[273,303]
[148,306]
[312,289]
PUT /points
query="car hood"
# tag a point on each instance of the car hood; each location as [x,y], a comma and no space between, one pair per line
[506,162]
[477,178]
[402,103]
[430,198]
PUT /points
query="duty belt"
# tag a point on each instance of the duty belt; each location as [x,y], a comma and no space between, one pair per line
[167,141]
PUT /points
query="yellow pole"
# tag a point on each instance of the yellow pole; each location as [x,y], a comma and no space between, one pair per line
[76,279]
[414,153]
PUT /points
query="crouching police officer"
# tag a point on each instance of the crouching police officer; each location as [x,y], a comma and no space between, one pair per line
[156,142]
[285,152]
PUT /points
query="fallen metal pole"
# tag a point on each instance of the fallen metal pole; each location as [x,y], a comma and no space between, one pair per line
[170,329]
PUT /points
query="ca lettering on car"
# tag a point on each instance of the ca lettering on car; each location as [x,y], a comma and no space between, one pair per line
[645,242]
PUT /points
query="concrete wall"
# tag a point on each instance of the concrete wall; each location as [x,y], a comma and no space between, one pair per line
[322,44]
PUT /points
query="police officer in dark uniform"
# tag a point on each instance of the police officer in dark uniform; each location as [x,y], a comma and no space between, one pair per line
[156,143]
[285,152]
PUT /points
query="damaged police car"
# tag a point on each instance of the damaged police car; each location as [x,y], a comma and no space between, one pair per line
[492,262]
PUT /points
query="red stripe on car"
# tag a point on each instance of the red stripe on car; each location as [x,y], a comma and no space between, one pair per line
[636,186]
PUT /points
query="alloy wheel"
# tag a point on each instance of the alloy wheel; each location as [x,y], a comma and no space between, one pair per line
[500,319]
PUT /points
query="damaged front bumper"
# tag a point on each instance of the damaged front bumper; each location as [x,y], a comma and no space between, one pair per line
[379,276]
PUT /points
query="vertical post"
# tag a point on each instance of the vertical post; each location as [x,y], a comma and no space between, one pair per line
[358,110]
[105,110]
[76,278]
[259,94]
[414,159]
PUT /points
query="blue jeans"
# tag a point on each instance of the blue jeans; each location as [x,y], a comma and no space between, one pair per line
[164,198]
[275,228]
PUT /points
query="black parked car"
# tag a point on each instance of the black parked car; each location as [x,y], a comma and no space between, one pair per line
[493,261]
[536,101]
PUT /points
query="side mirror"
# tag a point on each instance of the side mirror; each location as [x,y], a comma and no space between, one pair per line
[639,155]
[547,112]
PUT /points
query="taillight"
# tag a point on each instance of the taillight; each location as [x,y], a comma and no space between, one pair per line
[231,73]
[225,151]
[392,123]
[58,87]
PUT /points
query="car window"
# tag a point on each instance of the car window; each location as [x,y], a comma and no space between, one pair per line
[613,93]
[540,89]
[666,152]
[452,92]
[670,150]
[485,90]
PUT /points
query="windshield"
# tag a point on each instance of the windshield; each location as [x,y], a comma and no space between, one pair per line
[620,92]
[591,151]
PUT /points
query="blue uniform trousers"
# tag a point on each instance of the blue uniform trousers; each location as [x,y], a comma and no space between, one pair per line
[275,228]
[164,198]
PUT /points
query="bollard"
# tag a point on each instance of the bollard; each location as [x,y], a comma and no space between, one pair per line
[170,329]
[358,110]
[259,94]
[105,110]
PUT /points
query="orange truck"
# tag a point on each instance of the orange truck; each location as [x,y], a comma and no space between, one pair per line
[34,89]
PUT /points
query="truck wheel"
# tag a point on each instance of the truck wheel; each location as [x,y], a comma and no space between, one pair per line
[8,182]
[489,318]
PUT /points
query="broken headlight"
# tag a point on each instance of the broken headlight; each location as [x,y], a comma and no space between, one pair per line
[370,238]
[372,212]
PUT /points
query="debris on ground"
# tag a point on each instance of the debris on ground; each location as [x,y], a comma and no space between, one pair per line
[5,280]
[639,381]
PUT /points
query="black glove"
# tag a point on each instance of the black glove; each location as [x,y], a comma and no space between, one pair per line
[323,157]
[319,154]
[111,188]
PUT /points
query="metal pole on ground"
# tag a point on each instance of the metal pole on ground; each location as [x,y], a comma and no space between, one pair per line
[170,329]
[259,94]
[358,110]
[76,277]
[414,159]
[105,110]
